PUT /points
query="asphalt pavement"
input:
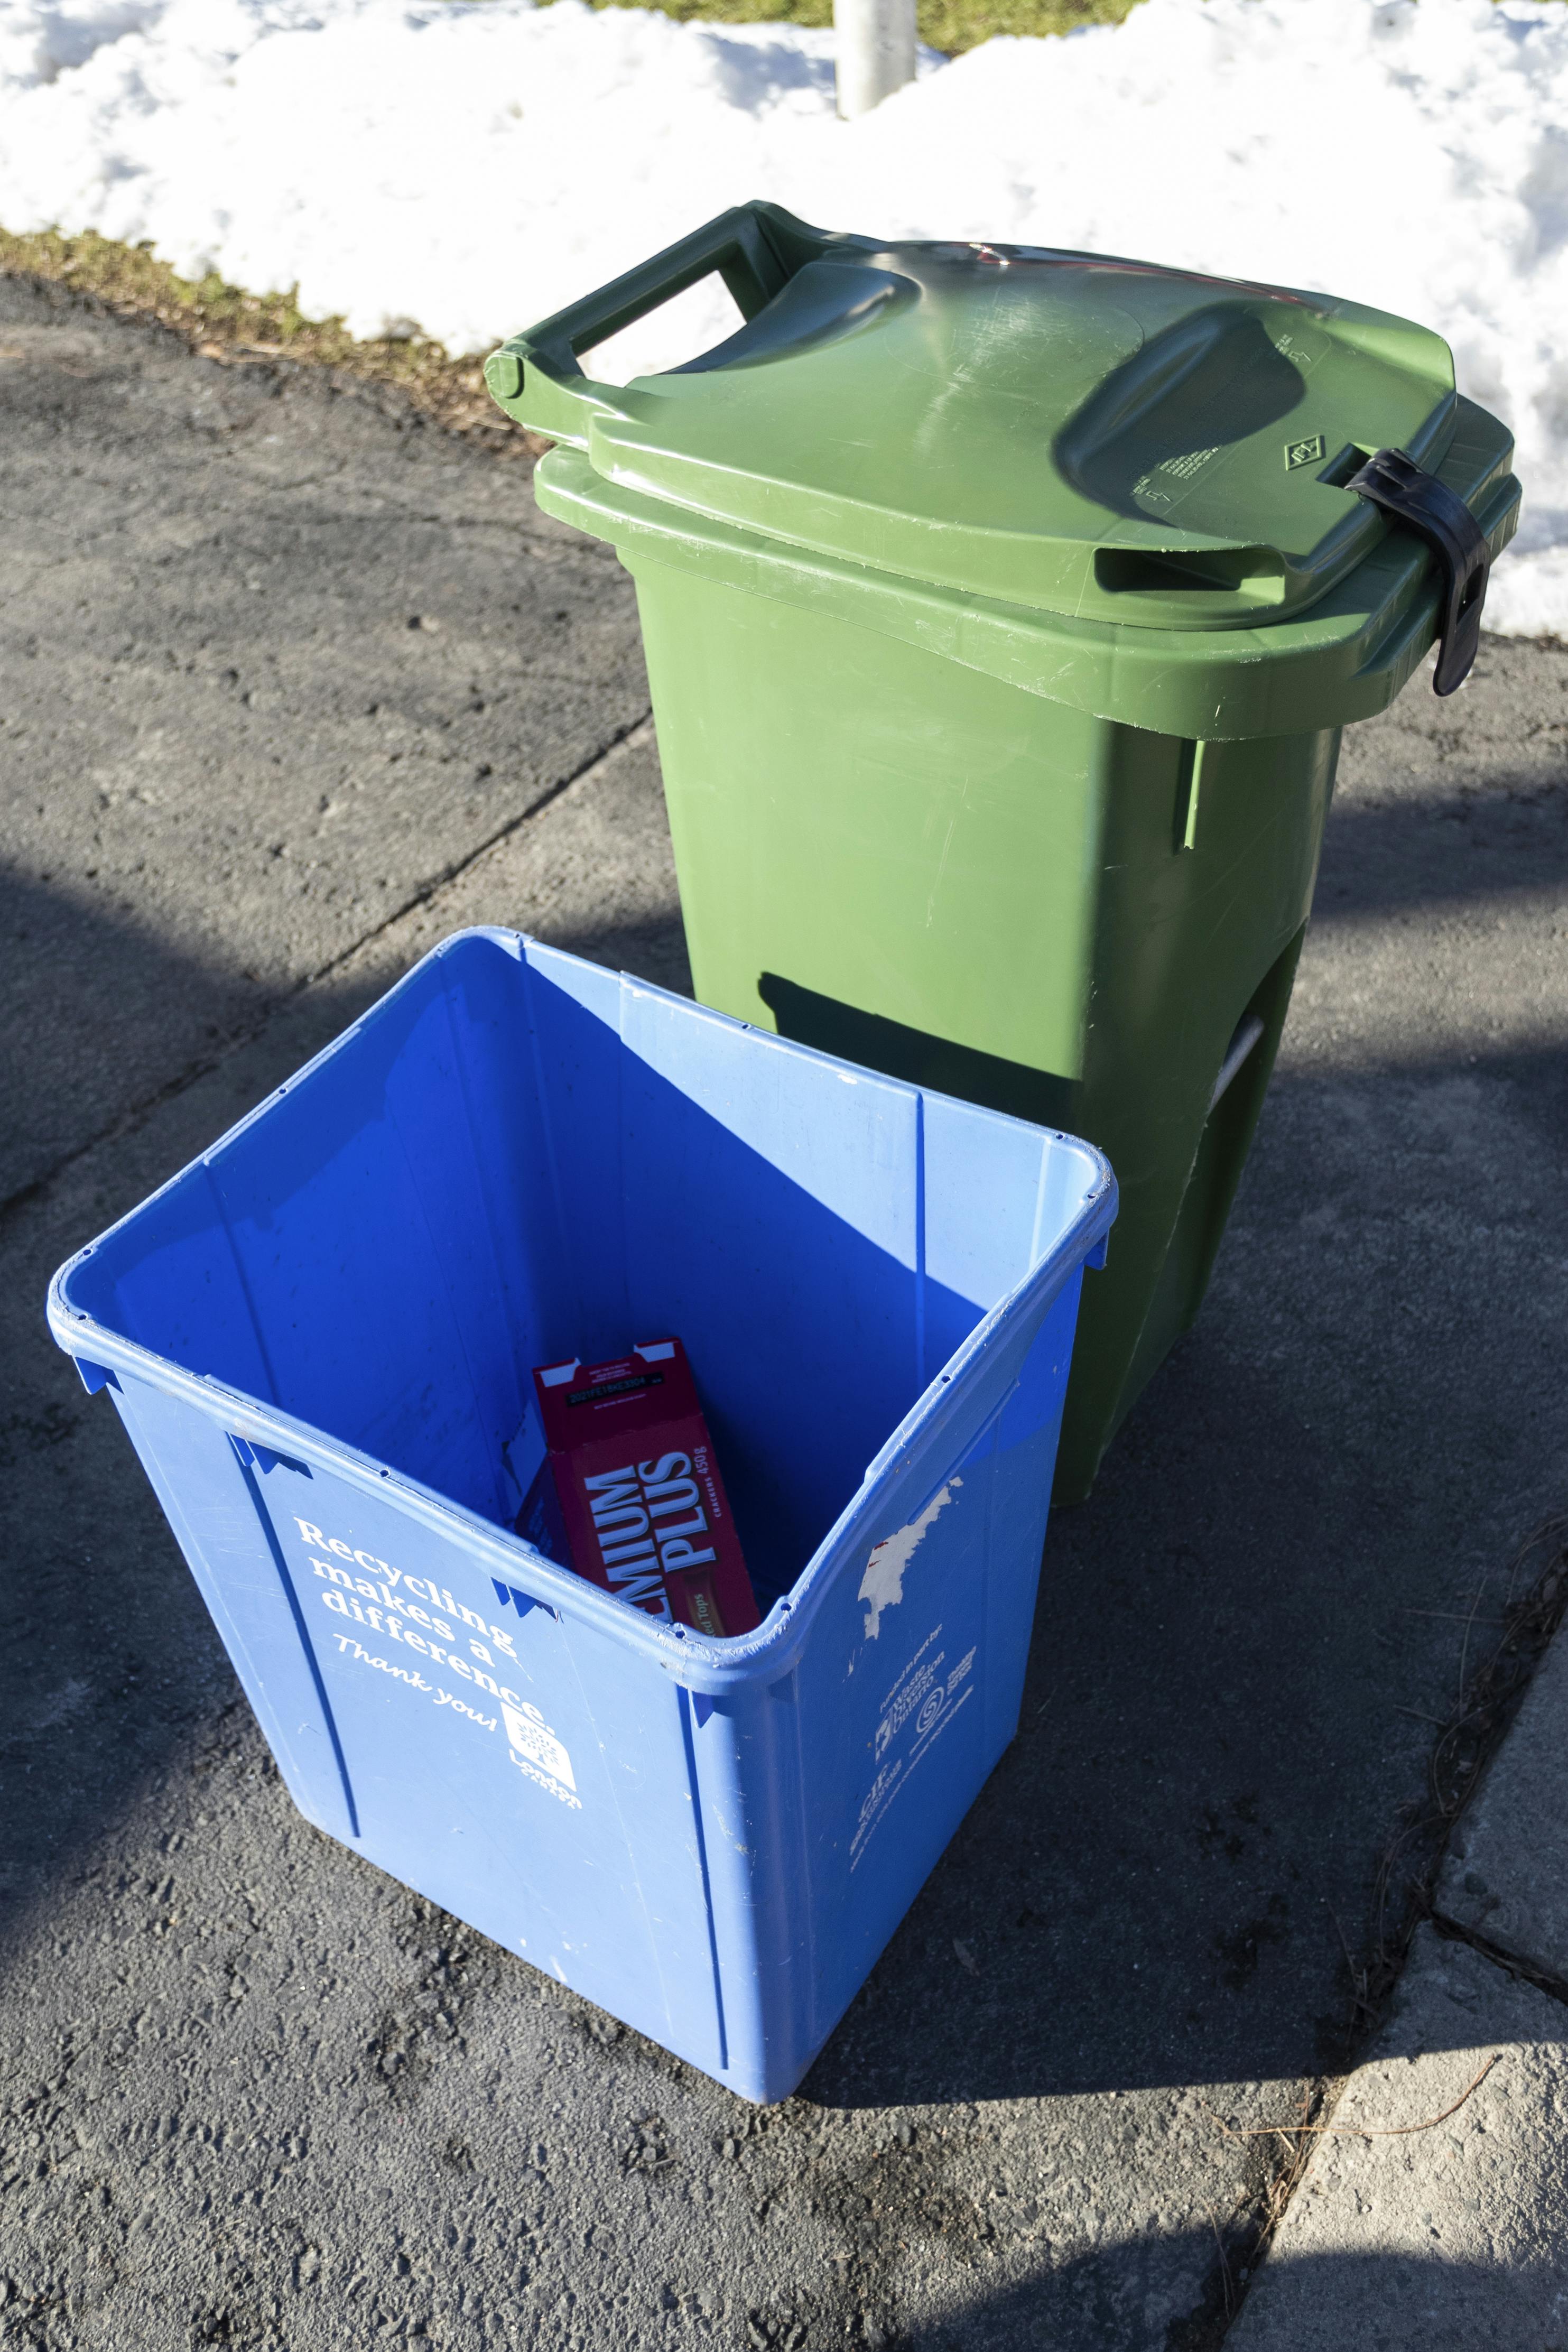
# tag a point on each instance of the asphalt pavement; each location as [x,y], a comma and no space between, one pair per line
[292,685]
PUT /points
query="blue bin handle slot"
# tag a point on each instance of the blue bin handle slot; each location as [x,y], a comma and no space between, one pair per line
[521,1601]
[265,1458]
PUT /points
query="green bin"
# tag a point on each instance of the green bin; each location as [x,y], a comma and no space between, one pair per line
[1002,608]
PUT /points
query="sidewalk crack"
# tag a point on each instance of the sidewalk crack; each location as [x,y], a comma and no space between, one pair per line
[1514,1964]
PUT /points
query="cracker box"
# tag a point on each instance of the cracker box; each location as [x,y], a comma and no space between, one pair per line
[620,1483]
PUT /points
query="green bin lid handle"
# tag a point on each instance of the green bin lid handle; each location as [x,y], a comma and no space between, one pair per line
[1407,491]
[755,249]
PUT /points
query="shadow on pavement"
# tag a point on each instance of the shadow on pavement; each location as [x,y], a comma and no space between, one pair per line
[1234,1677]
[1229,1680]
[1231,1689]
[111,1660]
[98,1015]
[1444,849]
[103,1020]
[1395,2300]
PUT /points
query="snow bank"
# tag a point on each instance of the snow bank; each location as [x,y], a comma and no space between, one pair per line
[471,167]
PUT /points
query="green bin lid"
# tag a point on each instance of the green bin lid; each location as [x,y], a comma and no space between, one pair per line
[1082,435]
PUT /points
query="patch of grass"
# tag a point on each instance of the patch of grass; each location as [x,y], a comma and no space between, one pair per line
[951,26]
[224,323]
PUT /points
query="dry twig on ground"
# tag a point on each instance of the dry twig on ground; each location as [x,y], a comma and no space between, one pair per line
[1363,2131]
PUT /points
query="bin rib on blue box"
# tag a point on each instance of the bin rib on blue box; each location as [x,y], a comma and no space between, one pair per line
[319,1338]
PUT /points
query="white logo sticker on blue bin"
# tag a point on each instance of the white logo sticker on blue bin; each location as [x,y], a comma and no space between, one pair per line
[530,1736]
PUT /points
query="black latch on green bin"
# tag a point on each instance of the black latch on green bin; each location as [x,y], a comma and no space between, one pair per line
[1407,491]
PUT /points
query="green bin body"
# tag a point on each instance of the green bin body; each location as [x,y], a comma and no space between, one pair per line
[1002,610]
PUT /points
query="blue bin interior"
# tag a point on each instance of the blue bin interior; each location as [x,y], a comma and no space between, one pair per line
[517,1156]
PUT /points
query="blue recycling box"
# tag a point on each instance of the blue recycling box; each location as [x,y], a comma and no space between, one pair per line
[320,1337]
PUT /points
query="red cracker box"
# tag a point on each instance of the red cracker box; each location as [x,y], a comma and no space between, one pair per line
[629,1494]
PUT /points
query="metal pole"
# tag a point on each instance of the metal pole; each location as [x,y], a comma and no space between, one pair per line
[875,52]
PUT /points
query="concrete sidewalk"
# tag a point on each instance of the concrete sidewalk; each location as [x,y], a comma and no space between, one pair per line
[1433,2215]
[256,2093]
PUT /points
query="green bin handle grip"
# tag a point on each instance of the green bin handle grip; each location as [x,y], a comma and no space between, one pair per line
[536,376]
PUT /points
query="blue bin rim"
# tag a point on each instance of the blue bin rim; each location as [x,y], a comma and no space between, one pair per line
[699,1662]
